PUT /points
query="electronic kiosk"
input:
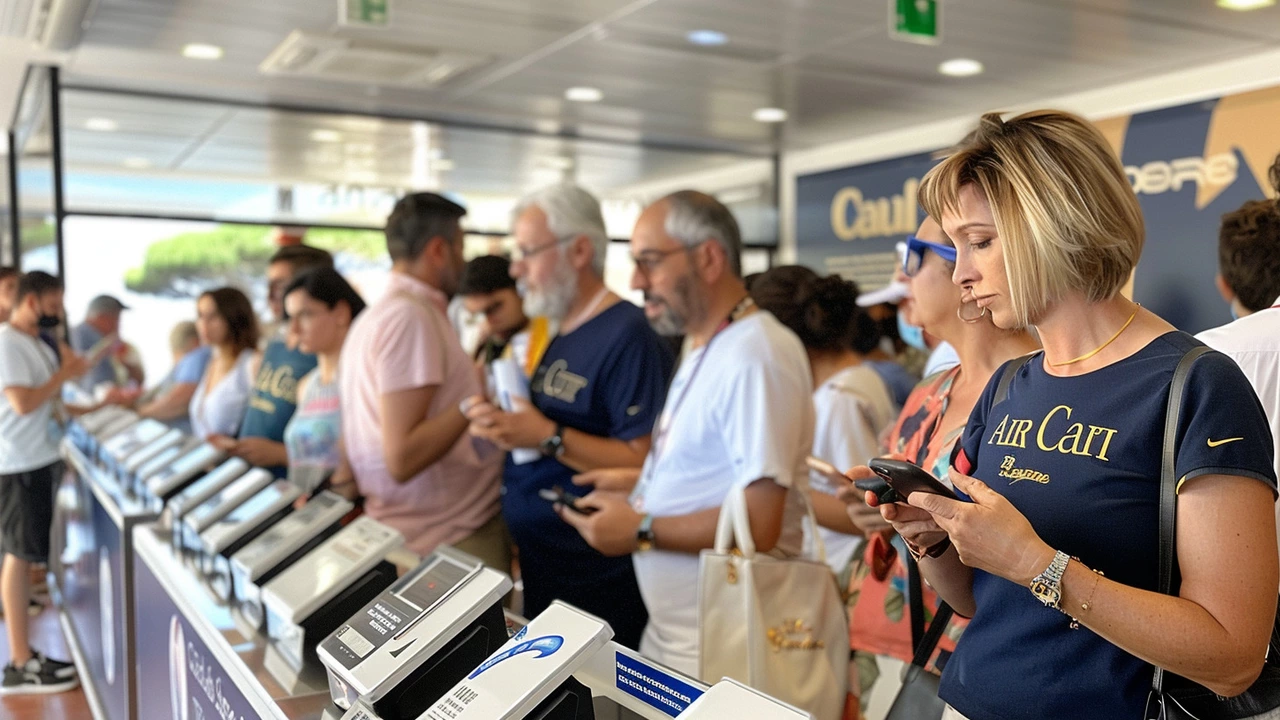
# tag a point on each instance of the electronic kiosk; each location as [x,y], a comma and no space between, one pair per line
[129,468]
[122,445]
[315,595]
[531,676]
[157,465]
[249,519]
[168,482]
[731,699]
[217,505]
[279,547]
[109,430]
[197,492]
[81,432]
[419,638]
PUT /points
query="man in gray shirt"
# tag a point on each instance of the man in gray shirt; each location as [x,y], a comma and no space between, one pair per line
[31,380]
[101,320]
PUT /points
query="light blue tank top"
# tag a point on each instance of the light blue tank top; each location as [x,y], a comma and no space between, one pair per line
[311,437]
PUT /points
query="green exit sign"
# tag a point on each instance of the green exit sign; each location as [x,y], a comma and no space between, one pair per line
[916,21]
[364,13]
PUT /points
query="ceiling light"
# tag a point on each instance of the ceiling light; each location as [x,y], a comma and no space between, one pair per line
[769,115]
[1243,5]
[707,37]
[556,162]
[202,51]
[584,94]
[136,163]
[326,136]
[100,124]
[442,165]
[961,67]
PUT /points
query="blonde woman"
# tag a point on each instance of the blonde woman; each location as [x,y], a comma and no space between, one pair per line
[1066,472]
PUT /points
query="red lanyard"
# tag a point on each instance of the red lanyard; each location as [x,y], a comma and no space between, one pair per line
[667,419]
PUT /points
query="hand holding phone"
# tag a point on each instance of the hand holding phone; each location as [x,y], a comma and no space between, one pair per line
[101,348]
[904,478]
[557,496]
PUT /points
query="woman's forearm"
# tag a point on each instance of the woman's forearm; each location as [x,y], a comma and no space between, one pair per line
[952,580]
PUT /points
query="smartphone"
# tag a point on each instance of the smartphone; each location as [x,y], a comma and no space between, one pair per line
[834,477]
[905,478]
[878,487]
[557,494]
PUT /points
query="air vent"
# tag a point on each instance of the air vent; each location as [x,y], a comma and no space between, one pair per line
[342,60]
[48,24]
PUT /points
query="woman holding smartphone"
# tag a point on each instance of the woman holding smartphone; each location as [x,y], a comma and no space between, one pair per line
[1054,545]
[925,433]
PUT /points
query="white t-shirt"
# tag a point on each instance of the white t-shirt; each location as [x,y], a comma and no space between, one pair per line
[943,357]
[738,410]
[1253,342]
[30,441]
[853,408]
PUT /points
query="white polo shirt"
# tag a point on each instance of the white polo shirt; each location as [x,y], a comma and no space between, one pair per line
[1253,342]
[739,409]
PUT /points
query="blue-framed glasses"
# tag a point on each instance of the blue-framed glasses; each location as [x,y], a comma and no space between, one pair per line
[913,257]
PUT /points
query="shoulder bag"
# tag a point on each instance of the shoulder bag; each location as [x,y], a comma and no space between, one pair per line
[1173,697]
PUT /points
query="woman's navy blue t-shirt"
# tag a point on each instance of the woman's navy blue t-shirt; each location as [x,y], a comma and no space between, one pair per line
[1080,458]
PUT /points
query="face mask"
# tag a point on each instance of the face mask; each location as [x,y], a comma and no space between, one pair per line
[49,322]
[912,335]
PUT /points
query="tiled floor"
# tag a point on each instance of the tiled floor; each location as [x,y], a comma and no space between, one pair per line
[46,635]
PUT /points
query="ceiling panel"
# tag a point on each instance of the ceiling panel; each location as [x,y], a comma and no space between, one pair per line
[830,63]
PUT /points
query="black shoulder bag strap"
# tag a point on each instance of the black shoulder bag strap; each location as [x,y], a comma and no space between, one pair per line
[926,642]
[923,642]
[1169,482]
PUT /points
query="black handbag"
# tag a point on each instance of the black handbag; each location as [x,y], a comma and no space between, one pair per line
[918,698]
[1173,697]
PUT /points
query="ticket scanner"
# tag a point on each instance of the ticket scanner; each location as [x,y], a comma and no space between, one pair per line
[109,430]
[249,519]
[309,600]
[279,547]
[81,432]
[164,485]
[193,495]
[121,445]
[731,699]
[531,676]
[217,505]
[127,471]
[158,464]
[409,646]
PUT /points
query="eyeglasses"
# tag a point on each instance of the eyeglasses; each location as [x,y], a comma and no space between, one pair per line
[649,260]
[520,254]
[913,255]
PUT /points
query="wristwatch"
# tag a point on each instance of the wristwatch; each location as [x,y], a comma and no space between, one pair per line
[644,534]
[554,445]
[1047,586]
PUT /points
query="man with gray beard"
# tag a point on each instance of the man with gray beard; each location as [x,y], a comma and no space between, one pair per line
[594,396]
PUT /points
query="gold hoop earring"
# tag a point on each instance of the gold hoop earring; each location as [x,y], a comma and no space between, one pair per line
[973,319]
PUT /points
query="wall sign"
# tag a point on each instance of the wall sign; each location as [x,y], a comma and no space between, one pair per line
[1188,166]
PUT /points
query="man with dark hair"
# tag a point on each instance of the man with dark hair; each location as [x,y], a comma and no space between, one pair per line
[8,290]
[1249,280]
[276,374]
[488,290]
[402,376]
[31,378]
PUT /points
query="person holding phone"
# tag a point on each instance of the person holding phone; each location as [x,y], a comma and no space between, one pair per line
[1054,545]
[853,406]
[594,394]
[925,433]
[101,325]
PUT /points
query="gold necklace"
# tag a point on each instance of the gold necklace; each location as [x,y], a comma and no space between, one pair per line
[1103,346]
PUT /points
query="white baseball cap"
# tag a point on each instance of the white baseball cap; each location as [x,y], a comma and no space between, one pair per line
[893,293]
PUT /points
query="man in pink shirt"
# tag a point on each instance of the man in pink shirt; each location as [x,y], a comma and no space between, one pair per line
[403,374]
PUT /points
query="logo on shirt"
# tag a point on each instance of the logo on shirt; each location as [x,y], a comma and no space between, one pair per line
[1054,433]
[1016,474]
[561,384]
[634,410]
[1215,443]
[277,382]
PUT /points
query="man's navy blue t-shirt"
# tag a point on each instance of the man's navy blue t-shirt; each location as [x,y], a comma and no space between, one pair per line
[607,378]
[1080,458]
